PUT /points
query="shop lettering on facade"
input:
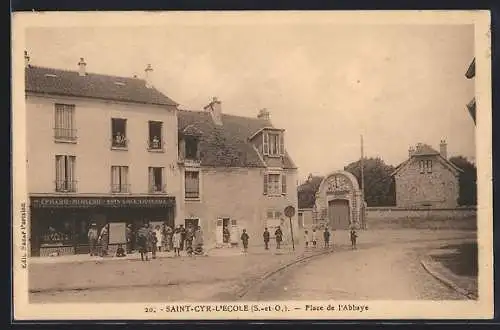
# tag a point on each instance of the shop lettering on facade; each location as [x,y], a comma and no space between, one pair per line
[102,202]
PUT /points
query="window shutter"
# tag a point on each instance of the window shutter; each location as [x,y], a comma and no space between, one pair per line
[283,184]
[282,144]
[265,183]
[265,144]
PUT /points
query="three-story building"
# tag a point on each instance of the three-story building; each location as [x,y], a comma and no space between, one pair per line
[100,149]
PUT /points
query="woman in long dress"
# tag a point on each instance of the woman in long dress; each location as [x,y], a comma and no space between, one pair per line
[159,238]
[176,240]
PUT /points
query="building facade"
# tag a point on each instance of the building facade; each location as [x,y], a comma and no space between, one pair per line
[427,179]
[236,175]
[100,149]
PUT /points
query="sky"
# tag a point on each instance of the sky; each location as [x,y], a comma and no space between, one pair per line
[325,84]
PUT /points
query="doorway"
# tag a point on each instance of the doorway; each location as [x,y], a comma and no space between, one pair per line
[339,214]
[191,222]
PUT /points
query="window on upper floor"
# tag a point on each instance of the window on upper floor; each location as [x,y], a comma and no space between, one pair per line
[65,173]
[275,184]
[273,143]
[425,166]
[119,133]
[156,180]
[119,179]
[192,184]
[64,126]
[273,220]
[155,141]
[191,147]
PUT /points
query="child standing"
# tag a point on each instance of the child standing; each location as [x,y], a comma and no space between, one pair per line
[326,237]
[176,240]
[244,239]
[314,237]
[354,236]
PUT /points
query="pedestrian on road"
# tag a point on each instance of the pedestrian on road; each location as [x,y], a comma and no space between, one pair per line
[154,242]
[188,238]
[142,242]
[244,239]
[183,236]
[314,237]
[266,236]
[130,237]
[278,234]
[198,241]
[354,236]
[93,236]
[176,240]
[306,238]
[159,238]
[326,237]
[169,234]
[104,240]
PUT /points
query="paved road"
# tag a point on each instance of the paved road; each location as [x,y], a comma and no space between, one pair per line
[390,272]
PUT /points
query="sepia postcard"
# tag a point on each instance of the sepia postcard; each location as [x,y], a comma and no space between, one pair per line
[252,165]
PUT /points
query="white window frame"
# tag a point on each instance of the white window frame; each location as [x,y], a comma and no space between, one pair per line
[124,135]
[65,176]
[163,183]
[64,123]
[161,144]
[280,143]
[199,185]
[280,191]
[124,188]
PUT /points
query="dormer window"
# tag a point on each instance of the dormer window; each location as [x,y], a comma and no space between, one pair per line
[191,147]
[273,143]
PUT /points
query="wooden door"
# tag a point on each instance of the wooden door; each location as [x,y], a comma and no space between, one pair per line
[338,214]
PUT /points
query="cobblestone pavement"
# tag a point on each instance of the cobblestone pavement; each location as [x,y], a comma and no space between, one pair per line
[389,272]
[219,276]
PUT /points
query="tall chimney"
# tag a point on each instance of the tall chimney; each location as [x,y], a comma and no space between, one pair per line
[411,151]
[443,149]
[263,114]
[82,67]
[148,73]
[26,59]
[215,109]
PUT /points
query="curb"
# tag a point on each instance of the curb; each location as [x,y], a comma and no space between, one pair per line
[443,279]
[242,292]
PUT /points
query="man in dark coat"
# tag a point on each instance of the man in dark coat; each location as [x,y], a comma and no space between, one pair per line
[266,238]
[278,234]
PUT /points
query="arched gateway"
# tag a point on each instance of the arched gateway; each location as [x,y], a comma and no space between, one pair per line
[339,201]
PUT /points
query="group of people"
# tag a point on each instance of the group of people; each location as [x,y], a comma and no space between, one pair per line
[313,238]
[278,235]
[147,240]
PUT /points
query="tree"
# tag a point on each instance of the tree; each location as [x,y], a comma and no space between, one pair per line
[379,185]
[467,181]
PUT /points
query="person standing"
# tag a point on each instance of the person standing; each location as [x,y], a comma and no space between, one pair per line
[104,240]
[176,240]
[266,237]
[198,241]
[244,240]
[183,236]
[188,239]
[154,242]
[93,236]
[142,242]
[354,237]
[314,237]
[278,234]
[129,237]
[159,238]
[169,232]
[306,239]
[326,237]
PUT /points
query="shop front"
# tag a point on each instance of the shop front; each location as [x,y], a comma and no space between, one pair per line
[59,225]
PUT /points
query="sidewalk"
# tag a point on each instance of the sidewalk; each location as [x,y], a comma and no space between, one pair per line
[465,285]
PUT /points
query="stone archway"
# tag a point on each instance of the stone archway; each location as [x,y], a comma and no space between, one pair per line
[339,201]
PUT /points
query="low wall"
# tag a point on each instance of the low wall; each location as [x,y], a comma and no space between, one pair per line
[392,217]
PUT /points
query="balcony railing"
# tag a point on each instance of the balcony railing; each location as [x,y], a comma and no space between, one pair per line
[65,186]
[156,145]
[120,188]
[119,142]
[192,194]
[65,134]
[158,189]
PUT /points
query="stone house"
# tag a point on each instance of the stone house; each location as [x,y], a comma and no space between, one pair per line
[427,179]
[236,174]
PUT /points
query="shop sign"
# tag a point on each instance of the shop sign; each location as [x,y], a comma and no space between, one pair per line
[90,202]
